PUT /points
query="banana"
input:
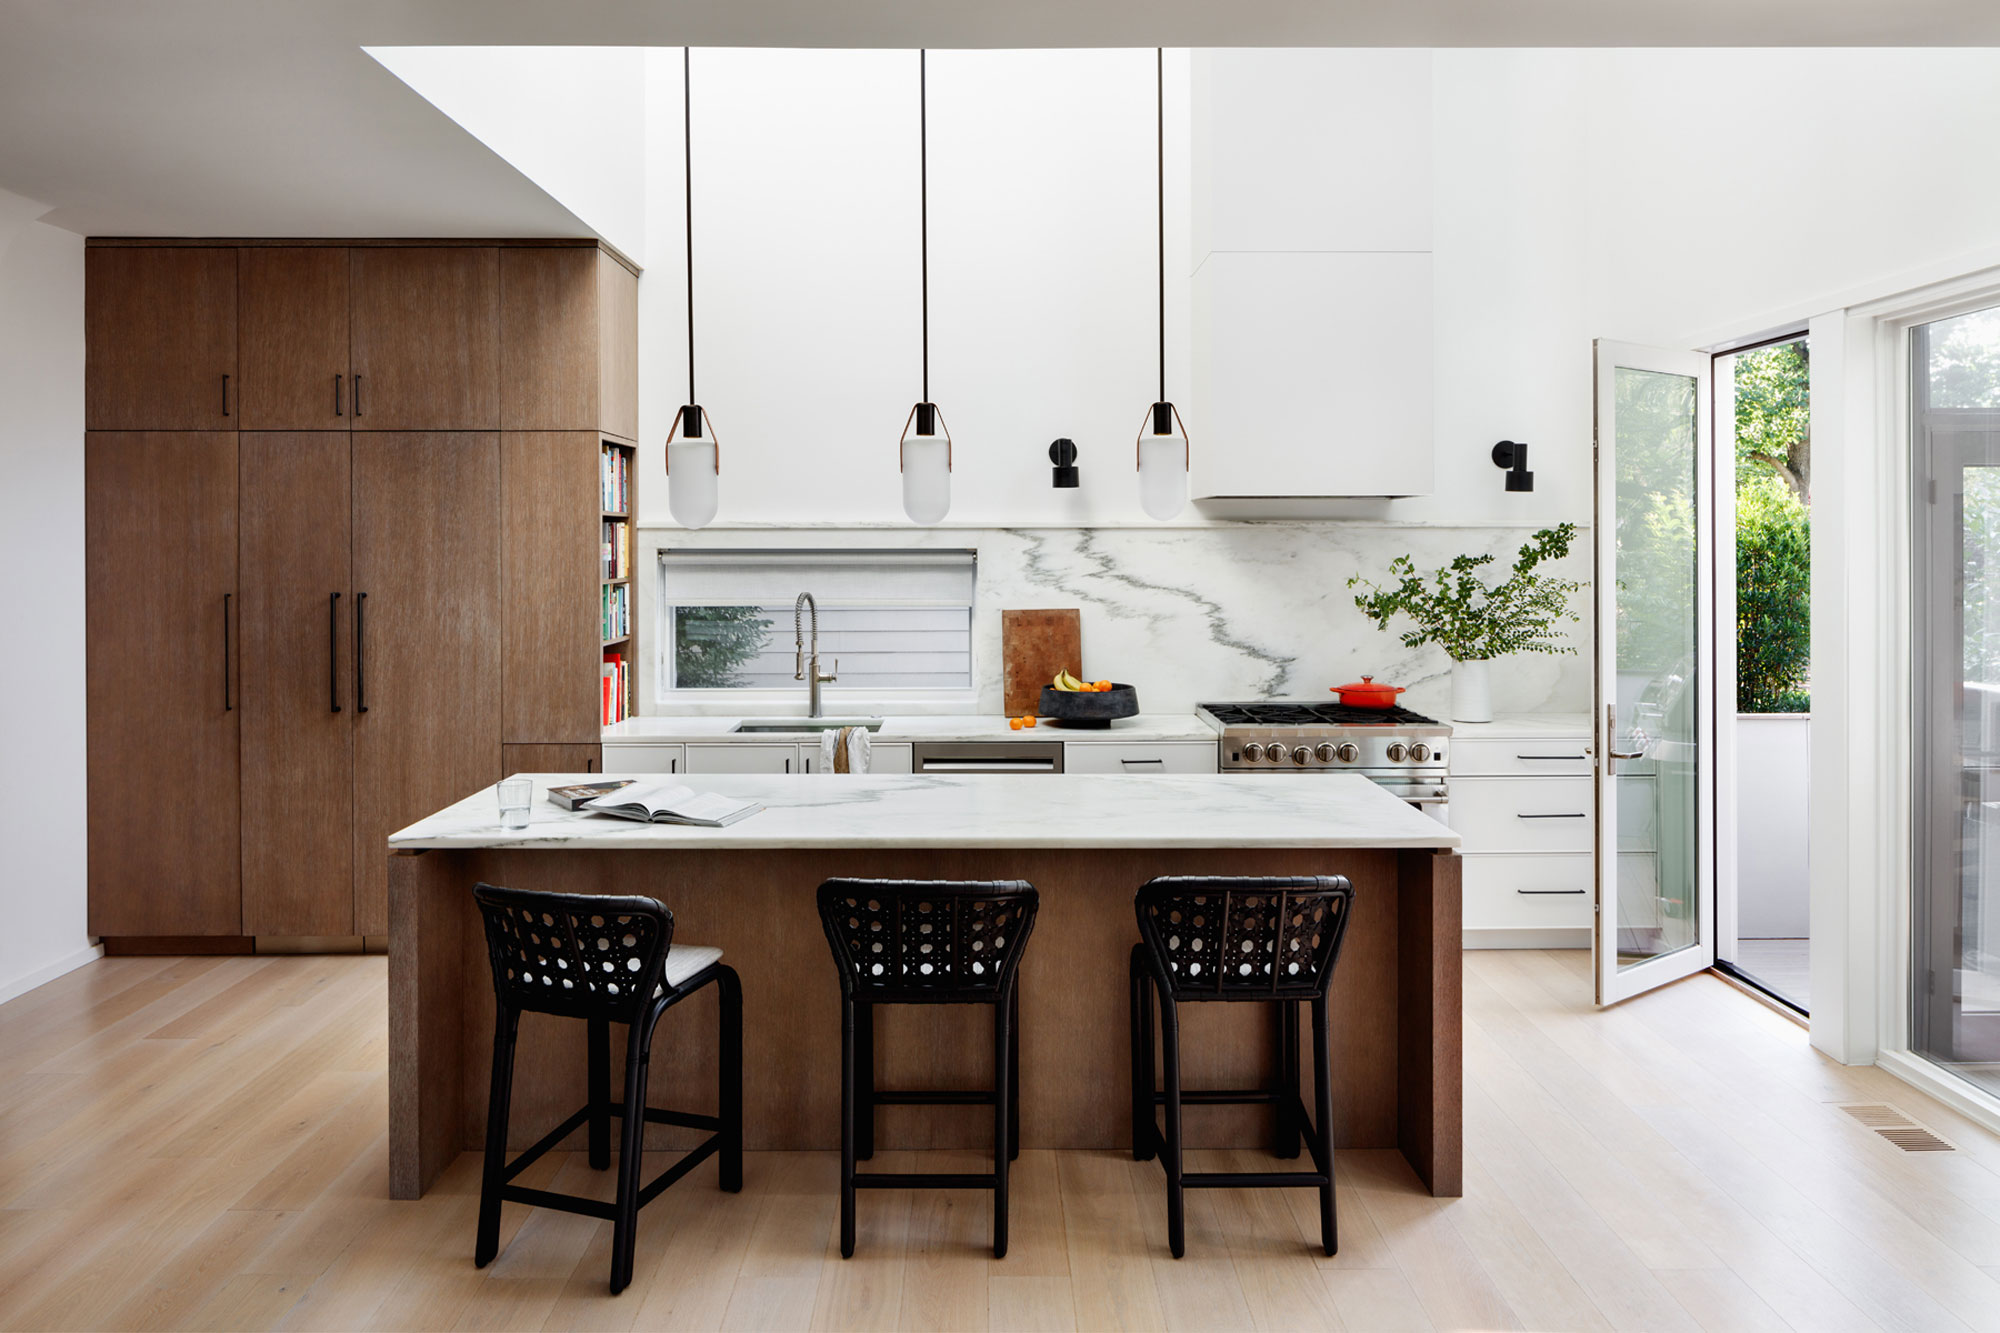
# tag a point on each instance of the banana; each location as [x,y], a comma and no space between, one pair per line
[1067,683]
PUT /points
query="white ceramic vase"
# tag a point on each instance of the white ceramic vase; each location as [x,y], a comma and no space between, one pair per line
[1471,698]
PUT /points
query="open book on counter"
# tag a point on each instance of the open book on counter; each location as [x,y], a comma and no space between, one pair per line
[662,803]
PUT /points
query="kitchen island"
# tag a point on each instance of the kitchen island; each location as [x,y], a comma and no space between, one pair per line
[1086,842]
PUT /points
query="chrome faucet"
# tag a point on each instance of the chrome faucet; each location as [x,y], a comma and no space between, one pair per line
[807,668]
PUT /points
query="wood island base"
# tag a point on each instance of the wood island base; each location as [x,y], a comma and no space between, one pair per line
[1396,1003]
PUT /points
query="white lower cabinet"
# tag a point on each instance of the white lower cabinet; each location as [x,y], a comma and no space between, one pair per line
[644,758]
[1524,802]
[745,757]
[1139,758]
[1527,892]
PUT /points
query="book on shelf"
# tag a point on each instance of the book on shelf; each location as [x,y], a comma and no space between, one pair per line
[613,688]
[654,803]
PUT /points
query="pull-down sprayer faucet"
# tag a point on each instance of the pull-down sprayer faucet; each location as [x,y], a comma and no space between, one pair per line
[807,668]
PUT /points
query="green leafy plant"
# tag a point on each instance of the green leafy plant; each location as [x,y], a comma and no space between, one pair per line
[1773,600]
[1471,620]
[712,644]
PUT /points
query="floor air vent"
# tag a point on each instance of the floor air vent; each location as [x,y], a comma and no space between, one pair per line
[1897,1129]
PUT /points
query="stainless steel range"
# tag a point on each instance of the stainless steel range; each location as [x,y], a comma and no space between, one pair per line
[1400,750]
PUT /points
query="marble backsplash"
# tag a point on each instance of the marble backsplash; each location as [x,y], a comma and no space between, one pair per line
[1188,614]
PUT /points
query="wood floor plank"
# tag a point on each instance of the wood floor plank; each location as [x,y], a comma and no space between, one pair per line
[201,1143]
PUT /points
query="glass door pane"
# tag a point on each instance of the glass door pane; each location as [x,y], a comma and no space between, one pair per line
[1655,890]
[1955,973]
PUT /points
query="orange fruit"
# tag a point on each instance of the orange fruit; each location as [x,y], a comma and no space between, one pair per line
[1014,723]
[1103,685]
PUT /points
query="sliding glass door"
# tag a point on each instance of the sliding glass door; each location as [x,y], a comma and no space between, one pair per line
[1955,927]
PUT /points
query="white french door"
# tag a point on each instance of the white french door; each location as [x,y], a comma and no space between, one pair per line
[1655,687]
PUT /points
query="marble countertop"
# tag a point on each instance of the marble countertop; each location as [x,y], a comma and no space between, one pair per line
[1524,726]
[949,727]
[1058,810]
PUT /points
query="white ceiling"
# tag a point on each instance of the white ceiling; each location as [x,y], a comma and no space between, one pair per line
[265,117]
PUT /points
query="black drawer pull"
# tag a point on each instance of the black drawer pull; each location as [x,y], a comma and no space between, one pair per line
[333,650]
[336,396]
[360,654]
[1535,893]
[357,394]
[1551,816]
[225,395]
[228,702]
[1551,756]
[1143,761]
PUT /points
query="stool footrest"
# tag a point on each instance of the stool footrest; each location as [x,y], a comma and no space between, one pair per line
[693,1158]
[1222,1096]
[941,1097]
[657,1116]
[566,1203]
[1229,1180]
[922,1180]
[533,1153]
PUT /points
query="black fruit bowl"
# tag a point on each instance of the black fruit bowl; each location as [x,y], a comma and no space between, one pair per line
[1089,708]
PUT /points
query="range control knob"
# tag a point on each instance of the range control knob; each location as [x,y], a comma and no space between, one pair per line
[1420,752]
[1302,756]
[1348,752]
[1253,752]
[1325,751]
[1397,752]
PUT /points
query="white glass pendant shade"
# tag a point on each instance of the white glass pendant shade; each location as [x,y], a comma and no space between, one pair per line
[926,463]
[694,482]
[1163,469]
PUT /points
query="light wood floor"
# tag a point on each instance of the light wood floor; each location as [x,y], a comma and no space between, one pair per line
[199,1143]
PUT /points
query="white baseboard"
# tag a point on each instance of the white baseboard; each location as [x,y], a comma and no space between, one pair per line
[69,962]
[1967,1099]
[1578,938]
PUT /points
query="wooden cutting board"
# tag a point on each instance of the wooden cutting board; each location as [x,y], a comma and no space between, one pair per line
[1034,645]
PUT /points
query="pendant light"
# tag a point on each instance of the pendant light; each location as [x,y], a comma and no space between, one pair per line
[693,487]
[923,457]
[1162,451]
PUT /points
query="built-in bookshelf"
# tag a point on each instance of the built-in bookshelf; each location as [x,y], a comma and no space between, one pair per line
[618,504]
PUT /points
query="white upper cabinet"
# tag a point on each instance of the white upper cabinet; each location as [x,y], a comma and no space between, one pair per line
[1312,324]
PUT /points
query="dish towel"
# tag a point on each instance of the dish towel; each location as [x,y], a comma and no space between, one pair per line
[845,750]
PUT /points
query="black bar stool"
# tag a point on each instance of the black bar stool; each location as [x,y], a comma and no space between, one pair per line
[604,960]
[926,942]
[1274,940]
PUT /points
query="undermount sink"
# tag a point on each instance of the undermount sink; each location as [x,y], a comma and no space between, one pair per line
[802,725]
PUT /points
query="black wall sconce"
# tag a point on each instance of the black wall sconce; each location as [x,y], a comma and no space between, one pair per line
[1513,456]
[1063,454]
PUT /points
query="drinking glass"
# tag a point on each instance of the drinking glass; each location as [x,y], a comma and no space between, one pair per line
[515,794]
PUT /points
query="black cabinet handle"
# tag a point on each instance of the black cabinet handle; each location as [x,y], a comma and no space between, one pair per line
[360,655]
[333,649]
[225,395]
[590,765]
[1551,756]
[336,396]
[1575,816]
[357,395]
[228,701]
[1549,893]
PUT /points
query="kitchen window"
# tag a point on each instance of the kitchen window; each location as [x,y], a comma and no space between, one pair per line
[897,620]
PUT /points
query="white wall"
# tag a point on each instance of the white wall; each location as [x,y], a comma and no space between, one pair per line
[41,599]
[569,118]
[1773,770]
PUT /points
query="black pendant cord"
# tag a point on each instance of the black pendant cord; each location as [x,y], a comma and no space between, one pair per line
[924,202]
[1160,84]
[687,160]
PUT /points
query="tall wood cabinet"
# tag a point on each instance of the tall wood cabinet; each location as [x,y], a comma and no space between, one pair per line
[312,632]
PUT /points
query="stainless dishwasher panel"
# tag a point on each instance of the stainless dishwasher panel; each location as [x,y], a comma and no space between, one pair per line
[987,757]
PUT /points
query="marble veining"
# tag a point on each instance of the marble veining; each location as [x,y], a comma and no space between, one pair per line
[1216,613]
[1061,810]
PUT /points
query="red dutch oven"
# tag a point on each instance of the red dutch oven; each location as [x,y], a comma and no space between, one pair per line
[1367,694]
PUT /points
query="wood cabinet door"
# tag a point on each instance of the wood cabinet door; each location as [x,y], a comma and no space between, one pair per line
[292,334]
[617,349]
[551,759]
[548,338]
[160,683]
[426,338]
[159,338]
[297,644]
[427,638]
[551,579]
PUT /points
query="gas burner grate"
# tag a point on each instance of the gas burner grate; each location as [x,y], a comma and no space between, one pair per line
[1313,715]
